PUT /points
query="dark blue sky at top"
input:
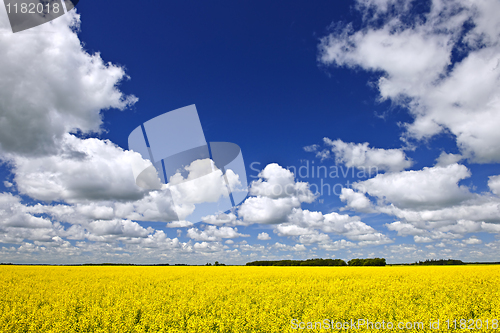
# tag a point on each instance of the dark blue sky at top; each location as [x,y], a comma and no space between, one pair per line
[249,66]
[251,69]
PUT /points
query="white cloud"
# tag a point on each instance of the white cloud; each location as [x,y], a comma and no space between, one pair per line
[484,209]
[84,170]
[415,60]
[263,236]
[422,239]
[179,224]
[405,229]
[432,231]
[125,228]
[275,195]
[13,214]
[208,247]
[494,184]
[337,245]
[54,87]
[306,225]
[222,219]
[277,182]
[363,157]
[445,159]
[323,154]
[292,230]
[375,238]
[272,205]
[212,233]
[267,210]
[284,247]
[356,201]
[472,241]
[430,187]
[314,238]
[311,148]
[402,248]
[204,183]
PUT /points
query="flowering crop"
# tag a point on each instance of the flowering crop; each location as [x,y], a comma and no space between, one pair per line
[242,299]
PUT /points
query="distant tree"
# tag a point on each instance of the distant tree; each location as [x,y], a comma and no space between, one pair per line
[367,262]
[355,262]
[308,262]
[219,264]
[434,262]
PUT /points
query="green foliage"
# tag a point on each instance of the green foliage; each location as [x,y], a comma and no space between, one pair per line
[308,262]
[440,262]
[367,262]
[219,264]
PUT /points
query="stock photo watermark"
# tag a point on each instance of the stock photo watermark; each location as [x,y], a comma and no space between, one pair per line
[197,177]
[365,324]
[324,180]
[26,14]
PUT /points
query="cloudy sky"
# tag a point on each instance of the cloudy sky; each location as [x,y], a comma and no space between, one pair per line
[380,118]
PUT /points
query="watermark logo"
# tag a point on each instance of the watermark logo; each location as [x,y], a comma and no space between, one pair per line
[323,180]
[26,14]
[199,178]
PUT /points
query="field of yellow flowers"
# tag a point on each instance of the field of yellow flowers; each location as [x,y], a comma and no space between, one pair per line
[248,299]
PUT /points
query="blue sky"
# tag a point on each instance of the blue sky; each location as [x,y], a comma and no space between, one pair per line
[408,89]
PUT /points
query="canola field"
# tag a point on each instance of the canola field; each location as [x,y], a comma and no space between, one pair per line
[249,299]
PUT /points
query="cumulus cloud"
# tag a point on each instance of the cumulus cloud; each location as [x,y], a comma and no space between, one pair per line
[363,157]
[284,247]
[485,209]
[48,95]
[494,184]
[124,228]
[13,214]
[213,233]
[212,247]
[429,203]
[337,245]
[314,227]
[275,194]
[434,231]
[21,223]
[277,182]
[222,219]
[204,183]
[155,206]
[355,201]
[43,105]
[84,170]
[445,159]
[179,224]
[263,236]
[418,73]
[472,241]
[430,187]
[267,210]
[292,230]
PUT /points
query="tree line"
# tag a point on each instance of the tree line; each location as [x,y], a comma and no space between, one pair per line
[367,262]
[319,262]
[440,262]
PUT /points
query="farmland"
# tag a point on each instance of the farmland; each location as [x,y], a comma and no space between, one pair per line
[245,299]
